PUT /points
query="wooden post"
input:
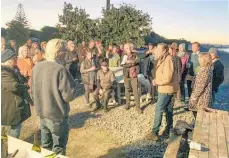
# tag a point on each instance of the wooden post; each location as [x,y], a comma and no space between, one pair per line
[108,4]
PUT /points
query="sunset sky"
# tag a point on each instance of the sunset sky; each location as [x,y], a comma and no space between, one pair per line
[195,20]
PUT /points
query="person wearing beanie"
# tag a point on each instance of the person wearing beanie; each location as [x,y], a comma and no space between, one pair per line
[17,110]
[218,72]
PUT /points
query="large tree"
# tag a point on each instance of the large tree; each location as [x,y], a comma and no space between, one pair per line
[124,24]
[18,28]
[76,25]
[20,16]
[17,32]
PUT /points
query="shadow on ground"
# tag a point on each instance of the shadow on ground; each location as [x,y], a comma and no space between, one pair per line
[78,120]
[142,148]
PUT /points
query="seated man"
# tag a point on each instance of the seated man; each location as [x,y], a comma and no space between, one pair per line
[105,82]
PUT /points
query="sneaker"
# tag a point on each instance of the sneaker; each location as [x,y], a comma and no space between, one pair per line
[152,137]
[186,108]
[148,96]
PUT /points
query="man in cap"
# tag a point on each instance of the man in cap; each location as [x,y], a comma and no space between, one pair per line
[105,83]
[218,71]
[15,107]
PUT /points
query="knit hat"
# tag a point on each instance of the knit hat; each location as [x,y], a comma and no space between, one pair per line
[214,51]
[7,55]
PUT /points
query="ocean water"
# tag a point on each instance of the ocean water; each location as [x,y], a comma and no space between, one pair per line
[224,49]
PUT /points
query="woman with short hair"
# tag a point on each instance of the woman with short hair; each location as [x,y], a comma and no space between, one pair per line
[25,63]
[201,96]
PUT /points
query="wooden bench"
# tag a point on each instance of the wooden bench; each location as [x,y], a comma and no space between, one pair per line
[173,146]
[212,130]
[120,85]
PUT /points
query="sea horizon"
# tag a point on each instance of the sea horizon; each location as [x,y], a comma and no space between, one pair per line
[224,49]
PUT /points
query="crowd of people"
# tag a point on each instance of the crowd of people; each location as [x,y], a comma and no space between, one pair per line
[44,75]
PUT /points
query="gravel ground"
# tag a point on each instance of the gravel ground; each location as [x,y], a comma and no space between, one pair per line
[118,133]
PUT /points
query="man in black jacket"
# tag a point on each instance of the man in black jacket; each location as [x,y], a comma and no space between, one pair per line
[218,72]
[71,59]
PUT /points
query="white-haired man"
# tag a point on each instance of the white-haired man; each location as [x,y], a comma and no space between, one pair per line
[52,88]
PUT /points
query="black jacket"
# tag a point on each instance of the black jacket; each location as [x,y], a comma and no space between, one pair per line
[126,67]
[70,64]
[15,98]
[218,75]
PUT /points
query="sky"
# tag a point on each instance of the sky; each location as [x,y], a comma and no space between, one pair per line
[205,21]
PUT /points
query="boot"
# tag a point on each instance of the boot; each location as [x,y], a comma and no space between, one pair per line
[152,137]
[106,110]
[98,106]
[126,106]
[153,101]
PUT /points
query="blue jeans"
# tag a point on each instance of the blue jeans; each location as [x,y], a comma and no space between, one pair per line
[213,98]
[164,104]
[15,131]
[54,135]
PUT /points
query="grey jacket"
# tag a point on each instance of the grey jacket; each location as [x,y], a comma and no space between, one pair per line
[52,88]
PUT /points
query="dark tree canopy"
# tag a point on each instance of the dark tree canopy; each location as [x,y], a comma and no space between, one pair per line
[76,25]
[20,16]
[118,25]
[34,33]
[3,32]
[17,32]
[124,24]
[48,33]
